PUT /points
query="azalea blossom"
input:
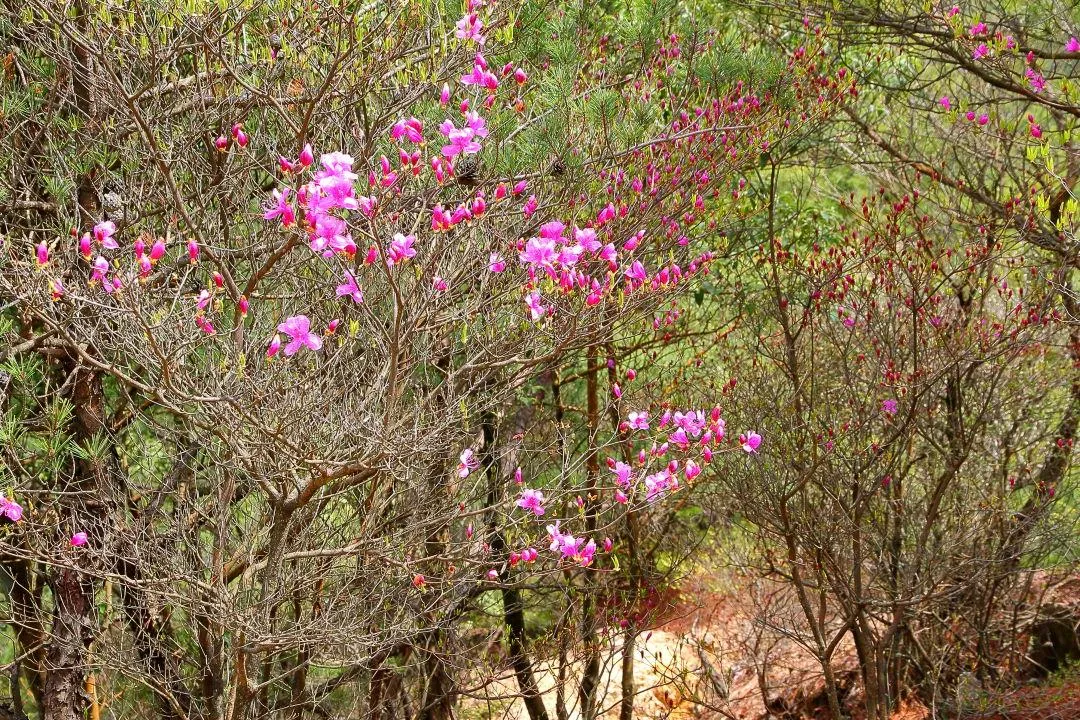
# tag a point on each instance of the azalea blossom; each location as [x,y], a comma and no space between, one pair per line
[496,264]
[470,27]
[461,141]
[532,500]
[638,420]
[536,307]
[750,441]
[103,233]
[300,335]
[401,249]
[468,463]
[10,509]
[889,406]
[349,288]
[1073,46]
[79,539]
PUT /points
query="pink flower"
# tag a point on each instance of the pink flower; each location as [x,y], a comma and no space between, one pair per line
[307,157]
[636,273]
[496,264]
[493,574]
[469,28]
[444,96]
[42,253]
[623,473]
[468,463]
[750,441]
[461,141]
[85,246]
[401,249]
[300,335]
[532,500]
[411,129]
[1073,46]
[535,304]
[517,476]
[157,250]
[945,103]
[79,539]
[520,77]
[10,509]
[620,497]
[638,420]
[978,29]
[692,470]
[103,233]
[221,142]
[350,288]
[889,407]
[981,51]
[539,251]
[983,119]
[100,268]
[1036,131]
[608,544]
[273,347]
[1038,82]
[193,250]
[439,284]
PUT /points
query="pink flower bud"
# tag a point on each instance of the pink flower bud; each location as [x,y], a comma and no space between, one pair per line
[285,164]
[493,574]
[193,251]
[221,143]
[332,326]
[79,539]
[275,345]
[243,304]
[218,280]
[444,96]
[520,77]
[157,251]
[608,544]
[307,157]
[42,253]
[85,246]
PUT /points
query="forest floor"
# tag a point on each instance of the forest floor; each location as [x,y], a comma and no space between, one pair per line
[705,657]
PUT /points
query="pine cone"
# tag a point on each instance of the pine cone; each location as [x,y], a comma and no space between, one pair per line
[467,170]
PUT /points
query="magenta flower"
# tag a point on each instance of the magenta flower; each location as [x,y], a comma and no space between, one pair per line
[750,441]
[532,500]
[470,27]
[42,253]
[981,51]
[307,157]
[636,273]
[945,103]
[623,473]
[638,420]
[496,264]
[468,463]
[298,328]
[401,249]
[539,251]
[889,406]
[1038,82]
[10,509]
[535,304]
[1073,46]
[411,129]
[274,346]
[103,233]
[157,250]
[79,539]
[460,141]
[349,288]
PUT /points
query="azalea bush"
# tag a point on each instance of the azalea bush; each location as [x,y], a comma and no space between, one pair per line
[322,329]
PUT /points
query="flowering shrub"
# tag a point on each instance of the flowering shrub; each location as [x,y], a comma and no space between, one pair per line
[280,286]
